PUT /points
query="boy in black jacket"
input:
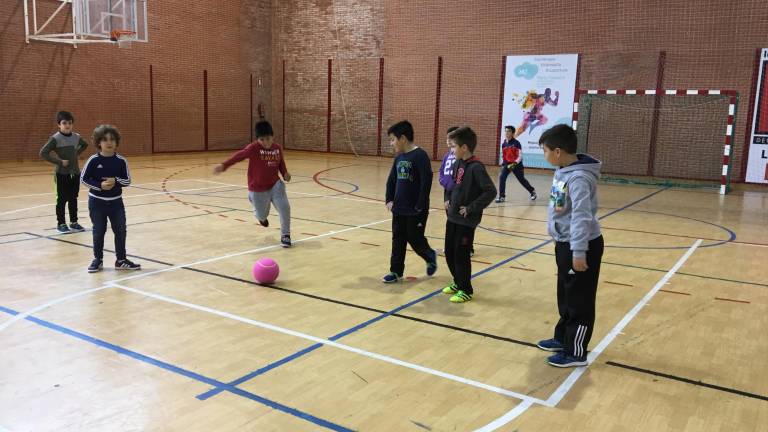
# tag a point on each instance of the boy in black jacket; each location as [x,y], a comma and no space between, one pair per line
[407,197]
[473,192]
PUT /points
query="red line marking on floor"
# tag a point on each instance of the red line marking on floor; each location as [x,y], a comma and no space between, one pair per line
[521,268]
[674,292]
[618,283]
[731,300]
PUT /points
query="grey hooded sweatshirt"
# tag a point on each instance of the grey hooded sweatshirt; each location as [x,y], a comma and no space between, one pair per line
[66,147]
[572,214]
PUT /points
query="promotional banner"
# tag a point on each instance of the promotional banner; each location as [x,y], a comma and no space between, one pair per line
[757,162]
[538,94]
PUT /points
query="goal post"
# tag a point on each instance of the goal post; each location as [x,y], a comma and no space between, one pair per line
[661,134]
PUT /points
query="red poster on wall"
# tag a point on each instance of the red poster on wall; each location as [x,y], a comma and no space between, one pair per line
[757,163]
[762,108]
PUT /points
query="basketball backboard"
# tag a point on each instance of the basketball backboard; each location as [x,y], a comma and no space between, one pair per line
[93,21]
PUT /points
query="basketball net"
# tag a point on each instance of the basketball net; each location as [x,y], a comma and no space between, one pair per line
[341,80]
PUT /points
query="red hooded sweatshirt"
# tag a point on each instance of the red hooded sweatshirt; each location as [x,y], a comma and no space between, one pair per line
[263,165]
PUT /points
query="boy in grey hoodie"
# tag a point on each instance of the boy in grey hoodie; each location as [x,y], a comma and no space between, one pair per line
[572,223]
[62,150]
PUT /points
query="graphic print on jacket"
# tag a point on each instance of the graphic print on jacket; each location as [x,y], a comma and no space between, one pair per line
[271,155]
[404,168]
[557,195]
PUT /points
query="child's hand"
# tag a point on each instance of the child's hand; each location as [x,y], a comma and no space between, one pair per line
[463,211]
[287,177]
[218,169]
[511,166]
[580,264]
[389,205]
[108,183]
[447,204]
[64,163]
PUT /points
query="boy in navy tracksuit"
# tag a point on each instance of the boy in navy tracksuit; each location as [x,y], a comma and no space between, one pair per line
[408,187]
[106,174]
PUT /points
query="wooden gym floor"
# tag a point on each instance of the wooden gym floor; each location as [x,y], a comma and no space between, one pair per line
[191,343]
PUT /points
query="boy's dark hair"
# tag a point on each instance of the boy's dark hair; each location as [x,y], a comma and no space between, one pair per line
[263,129]
[464,136]
[511,128]
[64,115]
[401,128]
[101,133]
[560,136]
[451,129]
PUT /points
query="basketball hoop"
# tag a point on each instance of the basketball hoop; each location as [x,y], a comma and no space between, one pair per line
[122,37]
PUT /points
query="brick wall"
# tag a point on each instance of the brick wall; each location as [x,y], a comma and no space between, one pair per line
[104,84]
[709,45]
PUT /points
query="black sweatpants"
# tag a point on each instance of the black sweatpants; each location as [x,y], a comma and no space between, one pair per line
[519,172]
[458,244]
[67,189]
[408,230]
[576,297]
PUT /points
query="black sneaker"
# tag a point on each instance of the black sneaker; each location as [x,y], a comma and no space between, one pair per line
[285,241]
[533,196]
[96,266]
[63,228]
[432,263]
[264,223]
[76,227]
[126,264]
[391,277]
[500,199]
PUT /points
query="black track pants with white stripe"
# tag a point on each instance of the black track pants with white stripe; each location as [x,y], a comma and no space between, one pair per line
[576,297]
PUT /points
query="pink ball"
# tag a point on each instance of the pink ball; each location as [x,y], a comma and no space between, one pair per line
[265,270]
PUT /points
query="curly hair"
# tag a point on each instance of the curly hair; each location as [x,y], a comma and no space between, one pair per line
[101,132]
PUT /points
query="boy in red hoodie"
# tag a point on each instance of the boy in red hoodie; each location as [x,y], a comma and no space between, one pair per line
[265,160]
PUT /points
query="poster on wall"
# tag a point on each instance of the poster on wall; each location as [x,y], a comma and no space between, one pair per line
[757,161]
[538,94]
